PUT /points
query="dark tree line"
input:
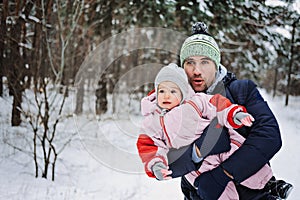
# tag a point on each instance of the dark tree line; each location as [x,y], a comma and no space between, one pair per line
[50,39]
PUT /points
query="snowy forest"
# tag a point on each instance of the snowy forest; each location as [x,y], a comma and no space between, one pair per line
[72,70]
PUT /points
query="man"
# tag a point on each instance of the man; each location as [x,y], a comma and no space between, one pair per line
[200,57]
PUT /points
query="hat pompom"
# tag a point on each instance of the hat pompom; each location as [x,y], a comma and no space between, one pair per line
[199,28]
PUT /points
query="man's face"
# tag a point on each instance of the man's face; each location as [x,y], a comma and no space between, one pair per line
[201,72]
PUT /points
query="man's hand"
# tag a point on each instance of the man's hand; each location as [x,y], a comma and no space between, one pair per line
[161,172]
[211,184]
[243,118]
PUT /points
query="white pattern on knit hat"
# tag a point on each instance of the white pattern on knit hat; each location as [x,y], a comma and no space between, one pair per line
[174,74]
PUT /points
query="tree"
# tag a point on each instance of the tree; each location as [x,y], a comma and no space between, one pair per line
[3,39]
[105,32]
[15,54]
[48,107]
[44,112]
[292,52]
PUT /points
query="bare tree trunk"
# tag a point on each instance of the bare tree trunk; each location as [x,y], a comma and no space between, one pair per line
[275,81]
[36,56]
[79,98]
[53,165]
[2,43]
[16,113]
[291,62]
[35,153]
[16,70]
[80,52]
[101,96]
[45,122]
[101,91]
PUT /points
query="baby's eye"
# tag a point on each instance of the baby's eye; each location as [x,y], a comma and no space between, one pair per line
[161,91]
[173,91]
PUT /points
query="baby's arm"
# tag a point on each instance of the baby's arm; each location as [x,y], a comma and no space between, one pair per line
[148,104]
[228,114]
[152,147]
[151,153]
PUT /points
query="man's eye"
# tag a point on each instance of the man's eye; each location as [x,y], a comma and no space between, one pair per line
[190,62]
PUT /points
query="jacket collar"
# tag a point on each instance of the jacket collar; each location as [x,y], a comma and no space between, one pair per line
[219,77]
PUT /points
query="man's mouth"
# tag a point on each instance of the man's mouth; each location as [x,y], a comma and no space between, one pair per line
[198,81]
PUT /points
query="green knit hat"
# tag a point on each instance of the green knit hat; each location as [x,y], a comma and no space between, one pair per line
[200,44]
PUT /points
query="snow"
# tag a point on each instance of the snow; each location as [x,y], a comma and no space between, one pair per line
[101,161]
[274,3]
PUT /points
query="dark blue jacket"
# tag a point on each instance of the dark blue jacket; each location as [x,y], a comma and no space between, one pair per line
[263,138]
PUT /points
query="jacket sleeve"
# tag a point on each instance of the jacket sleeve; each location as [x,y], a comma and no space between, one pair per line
[263,140]
[149,153]
[224,110]
[151,145]
[148,104]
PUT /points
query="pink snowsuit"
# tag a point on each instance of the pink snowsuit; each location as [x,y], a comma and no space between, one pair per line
[182,125]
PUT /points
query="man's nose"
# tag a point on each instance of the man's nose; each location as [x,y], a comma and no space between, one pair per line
[197,70]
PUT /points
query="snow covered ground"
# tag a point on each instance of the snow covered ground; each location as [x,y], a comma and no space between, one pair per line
[101,162]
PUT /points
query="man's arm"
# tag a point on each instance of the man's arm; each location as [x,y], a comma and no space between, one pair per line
[261,144]
[264,139]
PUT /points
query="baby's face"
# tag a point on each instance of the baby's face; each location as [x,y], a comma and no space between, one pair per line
[168,95]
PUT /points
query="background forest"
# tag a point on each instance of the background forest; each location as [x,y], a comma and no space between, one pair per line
[51,49]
